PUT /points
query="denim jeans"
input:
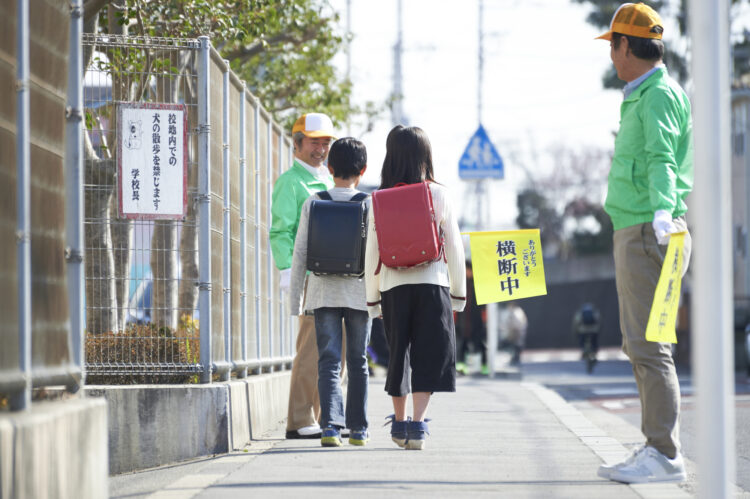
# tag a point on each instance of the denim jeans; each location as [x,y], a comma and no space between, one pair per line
[328,330]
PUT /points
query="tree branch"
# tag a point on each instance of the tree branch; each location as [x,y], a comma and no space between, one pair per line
[91,8]
[247,51]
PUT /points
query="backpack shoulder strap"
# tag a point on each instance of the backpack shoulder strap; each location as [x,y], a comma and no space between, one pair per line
[360,196]
[324,195]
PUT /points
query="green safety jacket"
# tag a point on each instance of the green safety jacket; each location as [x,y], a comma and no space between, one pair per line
[652,168]
[290,191]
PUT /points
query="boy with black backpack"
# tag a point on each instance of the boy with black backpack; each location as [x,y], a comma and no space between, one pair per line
[330,245]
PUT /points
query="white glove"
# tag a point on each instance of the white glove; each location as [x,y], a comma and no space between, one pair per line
[663,226]
[285,277]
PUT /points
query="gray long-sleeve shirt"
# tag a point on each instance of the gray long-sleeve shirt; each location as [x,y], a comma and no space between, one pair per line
[323,290]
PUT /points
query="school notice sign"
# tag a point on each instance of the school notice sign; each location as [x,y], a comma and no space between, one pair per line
[663,316]
[152,160]
[507,265]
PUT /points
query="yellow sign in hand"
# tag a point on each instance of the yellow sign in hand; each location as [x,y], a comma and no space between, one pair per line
[507,265]
[663,316]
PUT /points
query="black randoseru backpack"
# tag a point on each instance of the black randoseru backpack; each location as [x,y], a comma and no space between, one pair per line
[336,236]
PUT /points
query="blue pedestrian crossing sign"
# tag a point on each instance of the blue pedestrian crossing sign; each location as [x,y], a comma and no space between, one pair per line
[480,159]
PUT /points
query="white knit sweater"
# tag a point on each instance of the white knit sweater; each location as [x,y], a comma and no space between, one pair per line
[451,274]
[322,290]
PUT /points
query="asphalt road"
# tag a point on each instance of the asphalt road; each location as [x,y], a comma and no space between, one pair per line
[609,397]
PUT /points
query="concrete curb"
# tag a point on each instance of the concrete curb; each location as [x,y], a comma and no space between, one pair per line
[607,448]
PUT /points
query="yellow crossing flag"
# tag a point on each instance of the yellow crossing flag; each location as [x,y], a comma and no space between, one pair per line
[507,265]
[663,316]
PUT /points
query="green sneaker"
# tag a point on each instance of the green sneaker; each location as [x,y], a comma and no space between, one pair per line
[461,368]
[359,437]
[331,437]
[484,370]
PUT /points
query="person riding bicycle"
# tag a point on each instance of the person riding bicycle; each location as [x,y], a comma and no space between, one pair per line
[587,324]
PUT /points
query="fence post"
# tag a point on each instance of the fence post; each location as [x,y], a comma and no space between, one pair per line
[22,399]
[242,373]
[293,325]
[227,254]
[280,293]
[204,207]
[269,259]
[74,189]
[256,201]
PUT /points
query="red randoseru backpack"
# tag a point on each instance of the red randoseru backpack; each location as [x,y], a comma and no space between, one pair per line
[408,233]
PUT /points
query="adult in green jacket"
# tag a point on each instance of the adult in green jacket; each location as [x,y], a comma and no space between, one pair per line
[312,134]
[651,174]
[290,191]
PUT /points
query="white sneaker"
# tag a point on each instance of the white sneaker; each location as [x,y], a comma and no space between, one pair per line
[605,470]
[650,465]
[309,430]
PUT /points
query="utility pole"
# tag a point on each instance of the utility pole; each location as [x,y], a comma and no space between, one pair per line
[397,114]
[712,354]
[480,73]
[348,57]
[480,192]
[484,212]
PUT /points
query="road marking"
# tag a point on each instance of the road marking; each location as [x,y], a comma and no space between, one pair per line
[619,391]
[613,405]
[569,355]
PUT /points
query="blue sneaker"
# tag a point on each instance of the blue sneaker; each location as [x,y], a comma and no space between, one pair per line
[416,431]
[398,430]
[359,437]
[331,437]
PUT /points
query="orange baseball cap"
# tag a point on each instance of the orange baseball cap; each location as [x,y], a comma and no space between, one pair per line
[314,125]
[634,19]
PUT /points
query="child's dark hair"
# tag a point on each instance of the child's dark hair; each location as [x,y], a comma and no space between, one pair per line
[408,157]
[347,157]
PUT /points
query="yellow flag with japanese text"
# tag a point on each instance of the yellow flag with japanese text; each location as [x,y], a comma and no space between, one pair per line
[507,265]
[663,316]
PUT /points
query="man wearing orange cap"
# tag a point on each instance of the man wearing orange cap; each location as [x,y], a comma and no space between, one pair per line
[650,177]
[312,134]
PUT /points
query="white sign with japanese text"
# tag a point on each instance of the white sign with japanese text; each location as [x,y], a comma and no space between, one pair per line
[152,160]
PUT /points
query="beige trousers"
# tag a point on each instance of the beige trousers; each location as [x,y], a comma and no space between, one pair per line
[304,400]
[638,261]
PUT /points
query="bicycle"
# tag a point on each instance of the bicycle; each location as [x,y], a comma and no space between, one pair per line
[589,351]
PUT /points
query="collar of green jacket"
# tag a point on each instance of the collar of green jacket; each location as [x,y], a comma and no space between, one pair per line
[303,172]
[658,76]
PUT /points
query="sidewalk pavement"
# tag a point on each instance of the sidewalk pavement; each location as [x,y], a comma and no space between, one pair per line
[492,438]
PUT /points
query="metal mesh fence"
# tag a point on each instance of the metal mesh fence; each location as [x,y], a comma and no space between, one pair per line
[147,280]
[235,97]
[9,326]
[141,298]
[35,350]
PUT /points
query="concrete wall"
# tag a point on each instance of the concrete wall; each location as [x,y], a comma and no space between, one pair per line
[55,450]
[156,425]
[269,398]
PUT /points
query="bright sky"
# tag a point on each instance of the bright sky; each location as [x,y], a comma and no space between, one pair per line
[542,82]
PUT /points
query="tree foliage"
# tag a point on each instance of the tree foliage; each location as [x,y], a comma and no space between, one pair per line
[566,203]
[601,15]
[283,49]
[603,10]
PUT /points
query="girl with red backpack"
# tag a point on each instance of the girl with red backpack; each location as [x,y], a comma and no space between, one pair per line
[416,302]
